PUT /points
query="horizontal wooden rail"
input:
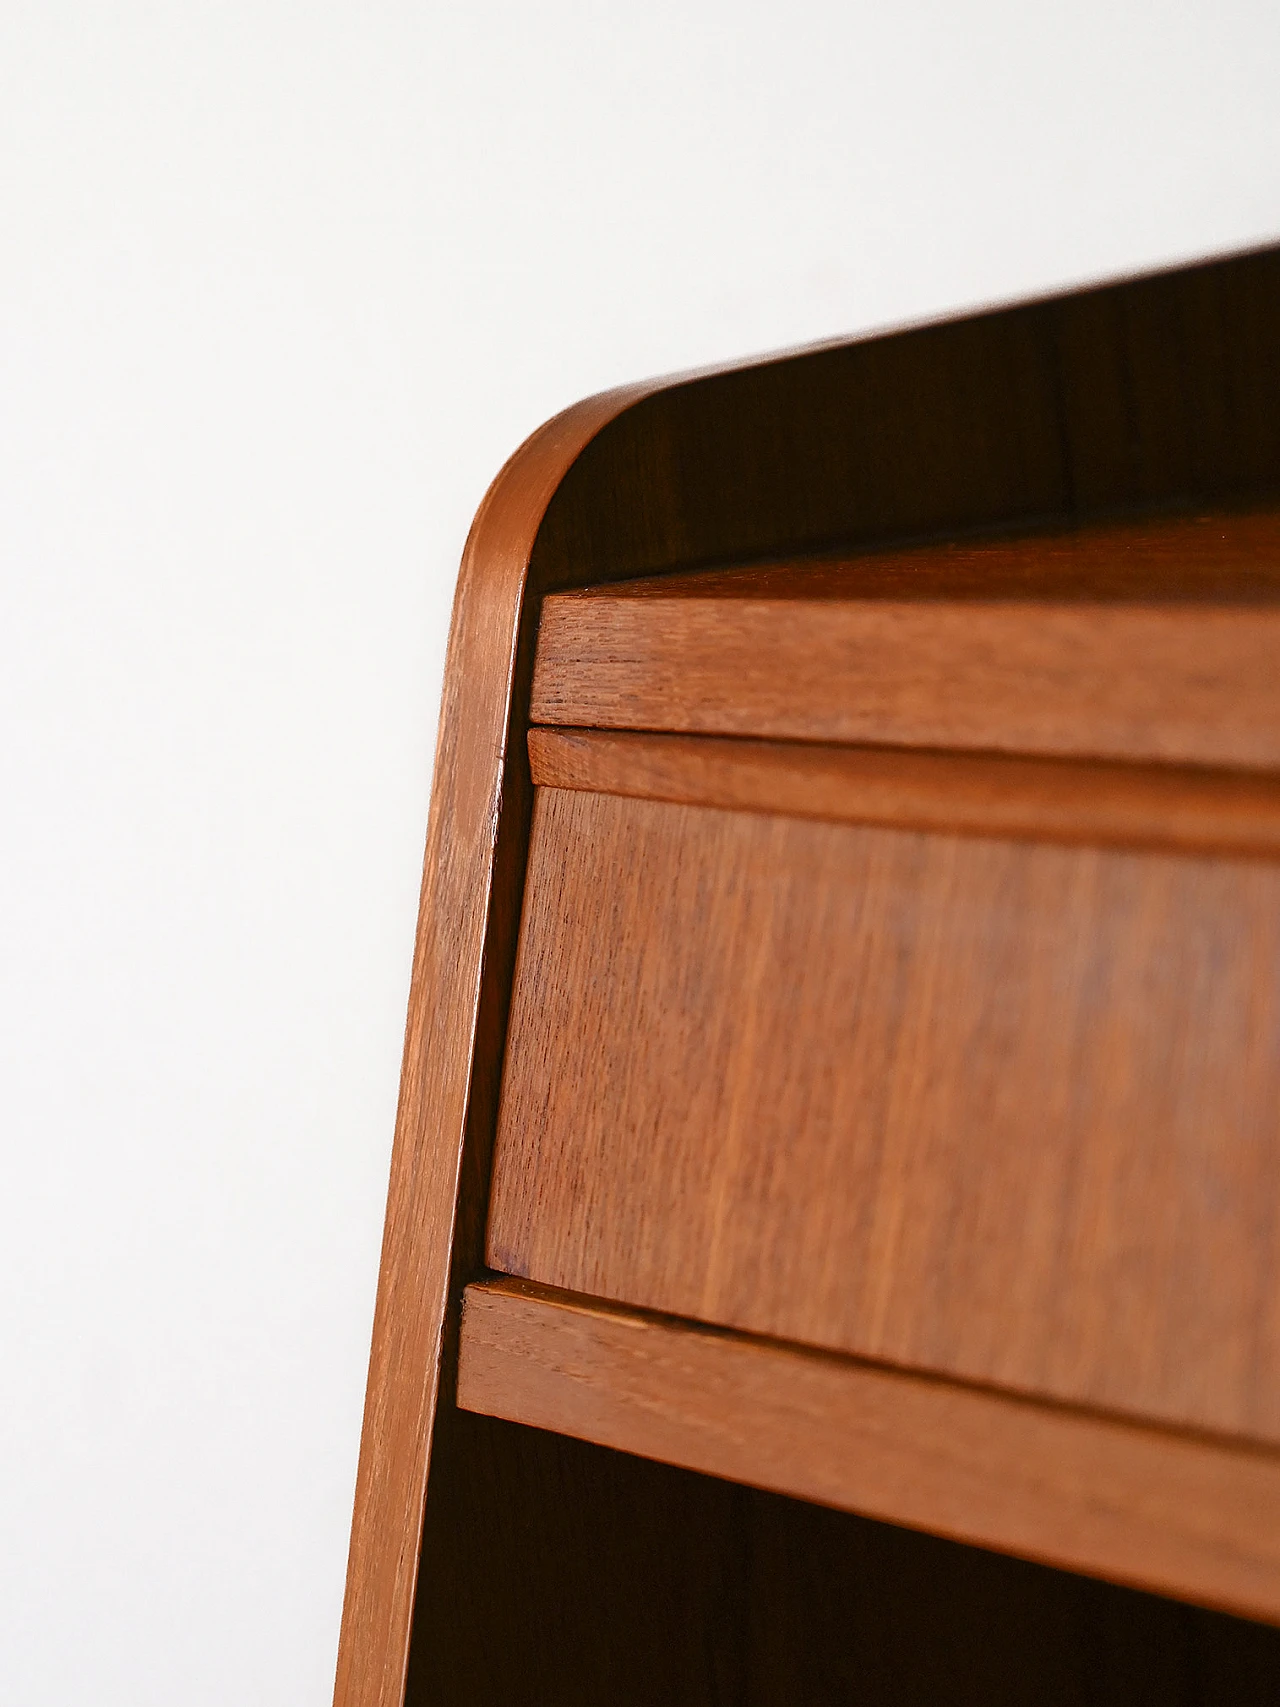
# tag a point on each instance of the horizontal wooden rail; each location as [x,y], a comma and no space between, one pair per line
[1192,1517]
[1181,809]
[1154,641]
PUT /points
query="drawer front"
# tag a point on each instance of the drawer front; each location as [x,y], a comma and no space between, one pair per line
[1001,1110]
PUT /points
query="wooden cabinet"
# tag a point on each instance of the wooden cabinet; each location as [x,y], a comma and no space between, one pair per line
[834,1231]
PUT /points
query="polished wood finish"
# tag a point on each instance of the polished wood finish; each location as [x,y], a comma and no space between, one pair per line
[1182,1516]
[1152,641]
[1149,392]
[453,1040]
[1001,1110]
[1186,810]
[1131,397]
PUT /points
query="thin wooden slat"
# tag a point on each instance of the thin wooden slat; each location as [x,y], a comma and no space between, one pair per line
[1031,799]
[1153,641]
[1187,1517]
[1000,1110]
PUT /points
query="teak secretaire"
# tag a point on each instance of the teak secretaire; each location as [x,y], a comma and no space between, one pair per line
[833,1247]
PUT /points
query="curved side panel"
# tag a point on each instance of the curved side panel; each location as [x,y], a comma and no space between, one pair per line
[453,921]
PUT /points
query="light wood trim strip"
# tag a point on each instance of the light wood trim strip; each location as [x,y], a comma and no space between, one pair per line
[1185,810]
[1180,1515]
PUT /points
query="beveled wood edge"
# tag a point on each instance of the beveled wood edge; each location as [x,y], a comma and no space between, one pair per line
[1181,1515]
[1176,809]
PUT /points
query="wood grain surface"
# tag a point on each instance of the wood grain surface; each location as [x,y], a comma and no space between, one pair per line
[1057,800]
[558,1573]
[1002,1110]
[851,1611]
[1186,1517]
[1142,641]
[549,1570]
[1109,401]
[467,919]
[1145,392]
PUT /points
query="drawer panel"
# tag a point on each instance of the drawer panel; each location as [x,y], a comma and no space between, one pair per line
[1001,1110]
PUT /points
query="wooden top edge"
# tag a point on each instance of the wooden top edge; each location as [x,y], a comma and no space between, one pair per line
[983,308]
[1223,556]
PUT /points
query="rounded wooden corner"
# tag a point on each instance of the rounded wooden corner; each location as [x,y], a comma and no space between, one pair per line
[455,936]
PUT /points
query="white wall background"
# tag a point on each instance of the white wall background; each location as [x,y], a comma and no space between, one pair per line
[281,285]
